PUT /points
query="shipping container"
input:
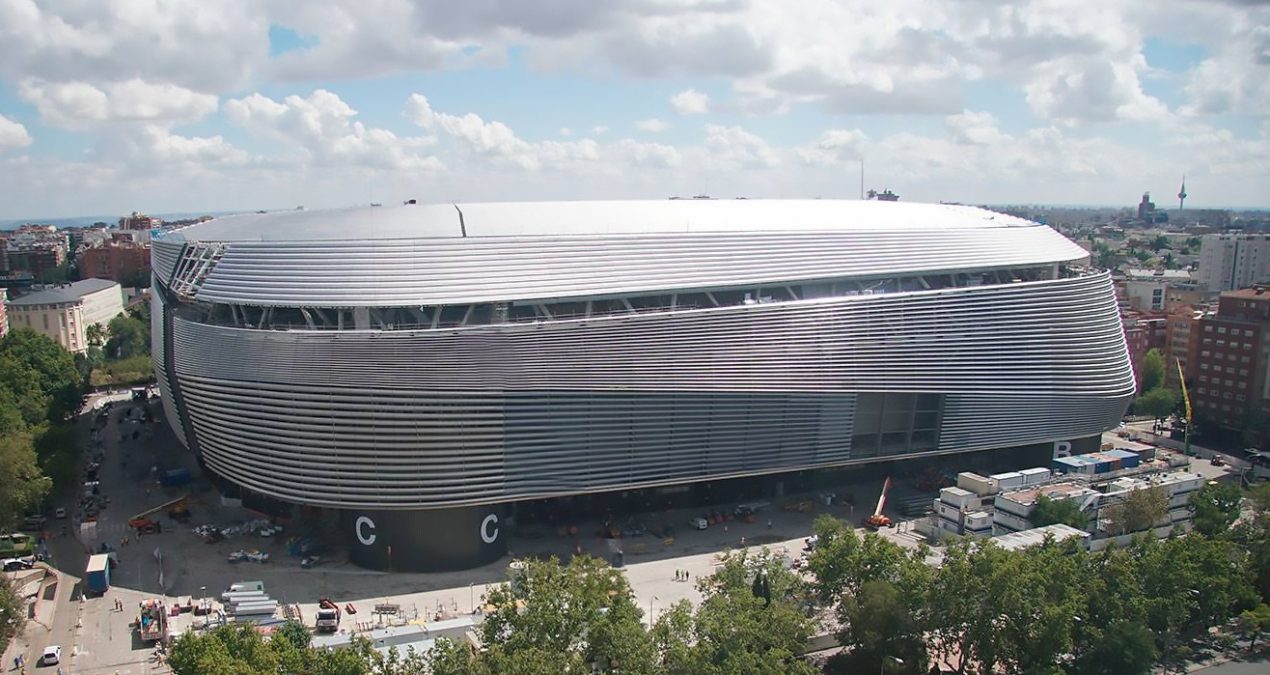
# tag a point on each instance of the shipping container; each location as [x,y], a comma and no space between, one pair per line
[97,576]
[1009,480]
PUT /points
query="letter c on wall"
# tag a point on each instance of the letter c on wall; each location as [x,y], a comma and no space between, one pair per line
[366,539]
[486,535]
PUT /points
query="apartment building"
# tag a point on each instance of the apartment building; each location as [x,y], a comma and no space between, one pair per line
[1230,382]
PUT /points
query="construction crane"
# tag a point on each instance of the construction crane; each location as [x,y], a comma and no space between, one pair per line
[877,520]
[144,524]
[1186,401]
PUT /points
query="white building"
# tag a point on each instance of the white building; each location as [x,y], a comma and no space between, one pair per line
[1232,261]
[65,311]
[1146,290]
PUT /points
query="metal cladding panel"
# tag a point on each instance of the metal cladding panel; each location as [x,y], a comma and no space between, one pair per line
[408,419]
[164,256]
[493,269]
[158,357]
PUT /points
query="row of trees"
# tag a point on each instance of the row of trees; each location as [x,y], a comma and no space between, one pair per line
[982,609]
[40,389]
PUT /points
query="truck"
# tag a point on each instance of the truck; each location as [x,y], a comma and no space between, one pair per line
[152,622]
[175,477]
[328,616]
[239,586]
[97,576]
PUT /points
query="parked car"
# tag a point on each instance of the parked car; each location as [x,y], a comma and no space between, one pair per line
[1218,460]
[52,656]
[14,564]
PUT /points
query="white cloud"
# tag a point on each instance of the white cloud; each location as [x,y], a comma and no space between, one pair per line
[834,147]
[690,102]
[13,134]
[973,128]
[652,126]
[496,140]
[566,132]
[197,45]
[1090,89]
[324,129]
[655,155]
[737,148]
[79,105]
[599,130]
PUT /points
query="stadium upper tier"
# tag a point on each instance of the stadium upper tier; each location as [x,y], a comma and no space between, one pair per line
[416,255]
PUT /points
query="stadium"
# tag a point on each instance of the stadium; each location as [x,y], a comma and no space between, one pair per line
[421,368]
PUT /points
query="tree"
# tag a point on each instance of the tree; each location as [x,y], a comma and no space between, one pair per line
[129,337]
[96,334]
[1216,507]
[581,612]
[881,632]
[22,485]
[1051,511]
[12,612]
[1254,622]
[1160,242]
[41,376]
[1152,369]
[1158,403]
[735,632]
[842,561]
[1124,648]
[1138,510]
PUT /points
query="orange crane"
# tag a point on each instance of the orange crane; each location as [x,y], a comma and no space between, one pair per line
[877,520]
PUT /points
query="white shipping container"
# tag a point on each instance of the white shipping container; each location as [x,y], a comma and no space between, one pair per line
[956,496]
[973,482]
[1008,480]
[1036,476]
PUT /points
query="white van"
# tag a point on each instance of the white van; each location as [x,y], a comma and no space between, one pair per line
[240,586]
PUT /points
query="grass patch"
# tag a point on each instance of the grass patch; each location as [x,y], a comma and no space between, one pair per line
[131,371]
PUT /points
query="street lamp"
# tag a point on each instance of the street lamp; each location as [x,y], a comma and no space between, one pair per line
[650,610]
[471,597]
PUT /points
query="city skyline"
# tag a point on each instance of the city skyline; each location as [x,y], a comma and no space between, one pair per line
[272,105]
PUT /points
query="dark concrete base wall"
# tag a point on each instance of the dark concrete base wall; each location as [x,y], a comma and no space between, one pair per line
[436,540]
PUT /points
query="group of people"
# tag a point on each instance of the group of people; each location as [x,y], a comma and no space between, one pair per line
[681,575]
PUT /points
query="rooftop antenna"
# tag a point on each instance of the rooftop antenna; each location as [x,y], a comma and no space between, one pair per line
[1181,195]
[861,179]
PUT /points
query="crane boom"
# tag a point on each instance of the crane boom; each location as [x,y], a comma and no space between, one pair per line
[160,507]
[886,487]
[1186,401]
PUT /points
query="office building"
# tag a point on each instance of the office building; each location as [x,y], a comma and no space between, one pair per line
[1230,386]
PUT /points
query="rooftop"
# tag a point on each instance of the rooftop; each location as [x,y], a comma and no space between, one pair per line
[1018,540]
[508,219]
[1257,293]
[1027,496]
[60,293]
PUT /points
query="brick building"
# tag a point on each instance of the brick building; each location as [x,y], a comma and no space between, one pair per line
[1180,345]
[122,261]
[1230,361]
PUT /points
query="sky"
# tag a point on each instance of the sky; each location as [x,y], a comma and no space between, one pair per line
[112,106]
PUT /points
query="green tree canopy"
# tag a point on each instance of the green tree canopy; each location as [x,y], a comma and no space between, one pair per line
[1158,403]
[1051,511]
[1152,369]
[880,631]
[1138,510]
[1216,506]
[583,611]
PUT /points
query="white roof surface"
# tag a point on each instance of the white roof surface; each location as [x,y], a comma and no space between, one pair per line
[591,217]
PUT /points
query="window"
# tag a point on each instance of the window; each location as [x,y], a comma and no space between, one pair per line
[1208,342]
[1247,346]
[1203,366]
[1240,397]
[1221,330]
[1226,395]
[1243,372]
[1208,329]
[1205,353]
[1201,390]
[1221,343]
